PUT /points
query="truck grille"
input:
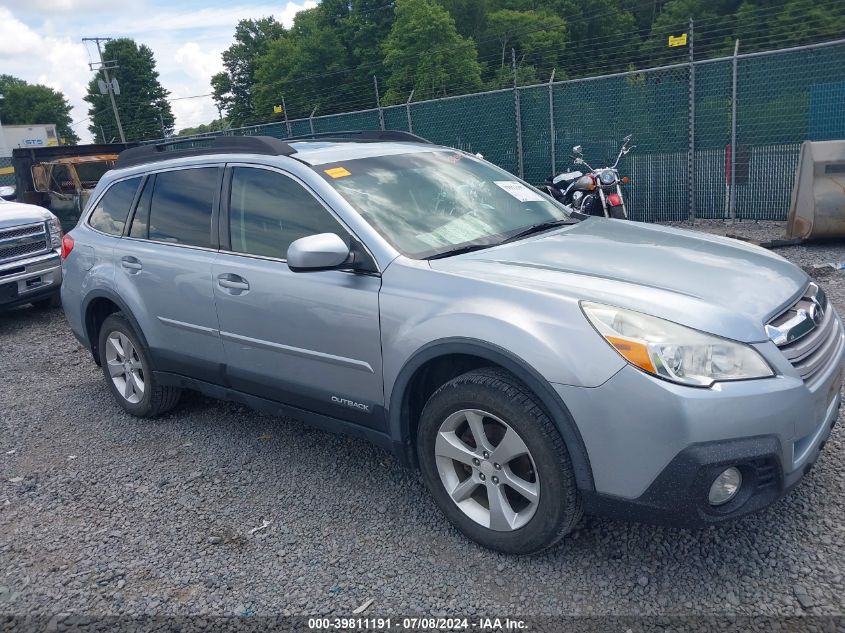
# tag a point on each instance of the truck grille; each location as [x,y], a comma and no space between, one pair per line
[808,333]
[20,241]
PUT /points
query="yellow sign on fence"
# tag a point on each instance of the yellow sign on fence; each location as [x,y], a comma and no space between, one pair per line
[277,109]
[678,40]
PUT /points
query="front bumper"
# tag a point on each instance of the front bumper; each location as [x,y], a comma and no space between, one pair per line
[30,280]
[655,447]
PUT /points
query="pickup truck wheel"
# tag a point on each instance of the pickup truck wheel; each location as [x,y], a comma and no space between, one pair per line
[496,464]
[128,372]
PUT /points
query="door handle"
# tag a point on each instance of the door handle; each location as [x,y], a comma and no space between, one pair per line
[132,264]
[230,281]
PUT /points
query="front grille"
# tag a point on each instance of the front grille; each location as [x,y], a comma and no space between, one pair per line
[814,341]
[20,241]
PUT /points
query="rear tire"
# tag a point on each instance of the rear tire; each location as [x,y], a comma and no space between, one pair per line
[526,503]
[128,370]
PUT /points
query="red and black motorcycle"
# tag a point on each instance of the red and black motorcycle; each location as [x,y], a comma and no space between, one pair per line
[598,192]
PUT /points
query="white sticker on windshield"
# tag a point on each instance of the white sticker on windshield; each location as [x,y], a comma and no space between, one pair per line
[519,191]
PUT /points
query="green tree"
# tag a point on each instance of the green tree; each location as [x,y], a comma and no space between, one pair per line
[424,52]
[294,67]
[216,125]
[602,36]
[26,104]
[142,102]
[537,37]
[803,21]
[470,16]
[232,89]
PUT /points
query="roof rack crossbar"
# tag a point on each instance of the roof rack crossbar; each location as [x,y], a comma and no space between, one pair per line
[363,135]
[266,145]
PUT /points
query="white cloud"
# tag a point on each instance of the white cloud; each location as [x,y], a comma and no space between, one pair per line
[41,41]
[16,38]
[164,19]
[197,62]
[57,62]
[57,6]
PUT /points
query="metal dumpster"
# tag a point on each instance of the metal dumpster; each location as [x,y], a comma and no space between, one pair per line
[817,210]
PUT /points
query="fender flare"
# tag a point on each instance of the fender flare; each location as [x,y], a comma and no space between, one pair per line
[102,293]
[399,424]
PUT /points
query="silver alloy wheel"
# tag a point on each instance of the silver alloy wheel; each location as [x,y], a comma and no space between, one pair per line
[125,368]
[487,470]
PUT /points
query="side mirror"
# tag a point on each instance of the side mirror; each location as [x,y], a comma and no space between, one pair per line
[324,251]
[577,149]
[7,193]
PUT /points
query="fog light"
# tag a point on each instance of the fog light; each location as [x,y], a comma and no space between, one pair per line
[725,486]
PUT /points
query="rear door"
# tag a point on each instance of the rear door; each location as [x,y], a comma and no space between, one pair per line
[164,268]
[308,339]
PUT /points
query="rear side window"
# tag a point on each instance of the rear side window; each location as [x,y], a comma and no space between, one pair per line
[111,211]
[181,206]
[268,211]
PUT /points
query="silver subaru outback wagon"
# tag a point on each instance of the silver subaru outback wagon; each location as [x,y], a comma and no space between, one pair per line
[533,364]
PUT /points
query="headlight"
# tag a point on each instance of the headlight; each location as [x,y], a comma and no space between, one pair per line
[672,351]
[607,177]
[55,228]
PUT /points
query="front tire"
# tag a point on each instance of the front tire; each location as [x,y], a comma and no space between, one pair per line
[128,371]
[496,464]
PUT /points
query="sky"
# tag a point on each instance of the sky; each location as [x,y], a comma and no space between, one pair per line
[41,42]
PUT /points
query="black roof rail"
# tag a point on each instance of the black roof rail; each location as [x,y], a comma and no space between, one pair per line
[266,145]
[362,136]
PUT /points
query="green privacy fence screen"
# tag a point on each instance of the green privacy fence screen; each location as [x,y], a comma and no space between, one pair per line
[7,176]
[680,117]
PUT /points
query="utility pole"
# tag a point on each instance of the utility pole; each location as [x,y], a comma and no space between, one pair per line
[105,68]
[161,122]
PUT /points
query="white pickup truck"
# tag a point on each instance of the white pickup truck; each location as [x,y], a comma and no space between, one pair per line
[30,244]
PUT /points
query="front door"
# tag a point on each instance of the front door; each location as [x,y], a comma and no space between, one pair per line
[308,339]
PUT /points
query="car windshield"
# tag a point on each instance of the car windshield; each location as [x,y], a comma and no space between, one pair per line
[428,204]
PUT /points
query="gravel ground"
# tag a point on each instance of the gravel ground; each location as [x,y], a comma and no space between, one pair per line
[101,513]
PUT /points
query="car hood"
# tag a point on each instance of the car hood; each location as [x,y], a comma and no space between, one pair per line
[16,213]
[715,284]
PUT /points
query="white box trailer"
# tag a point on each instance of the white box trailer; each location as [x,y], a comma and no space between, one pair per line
[27,136]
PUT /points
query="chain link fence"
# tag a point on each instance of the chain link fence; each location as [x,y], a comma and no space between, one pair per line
[7,174]
[685,119]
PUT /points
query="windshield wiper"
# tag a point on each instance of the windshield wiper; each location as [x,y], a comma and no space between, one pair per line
[461,250]
[537,228]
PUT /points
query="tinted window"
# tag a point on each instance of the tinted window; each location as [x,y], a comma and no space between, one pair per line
[141,220]
[180,210]
[268,211]
[111,211]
